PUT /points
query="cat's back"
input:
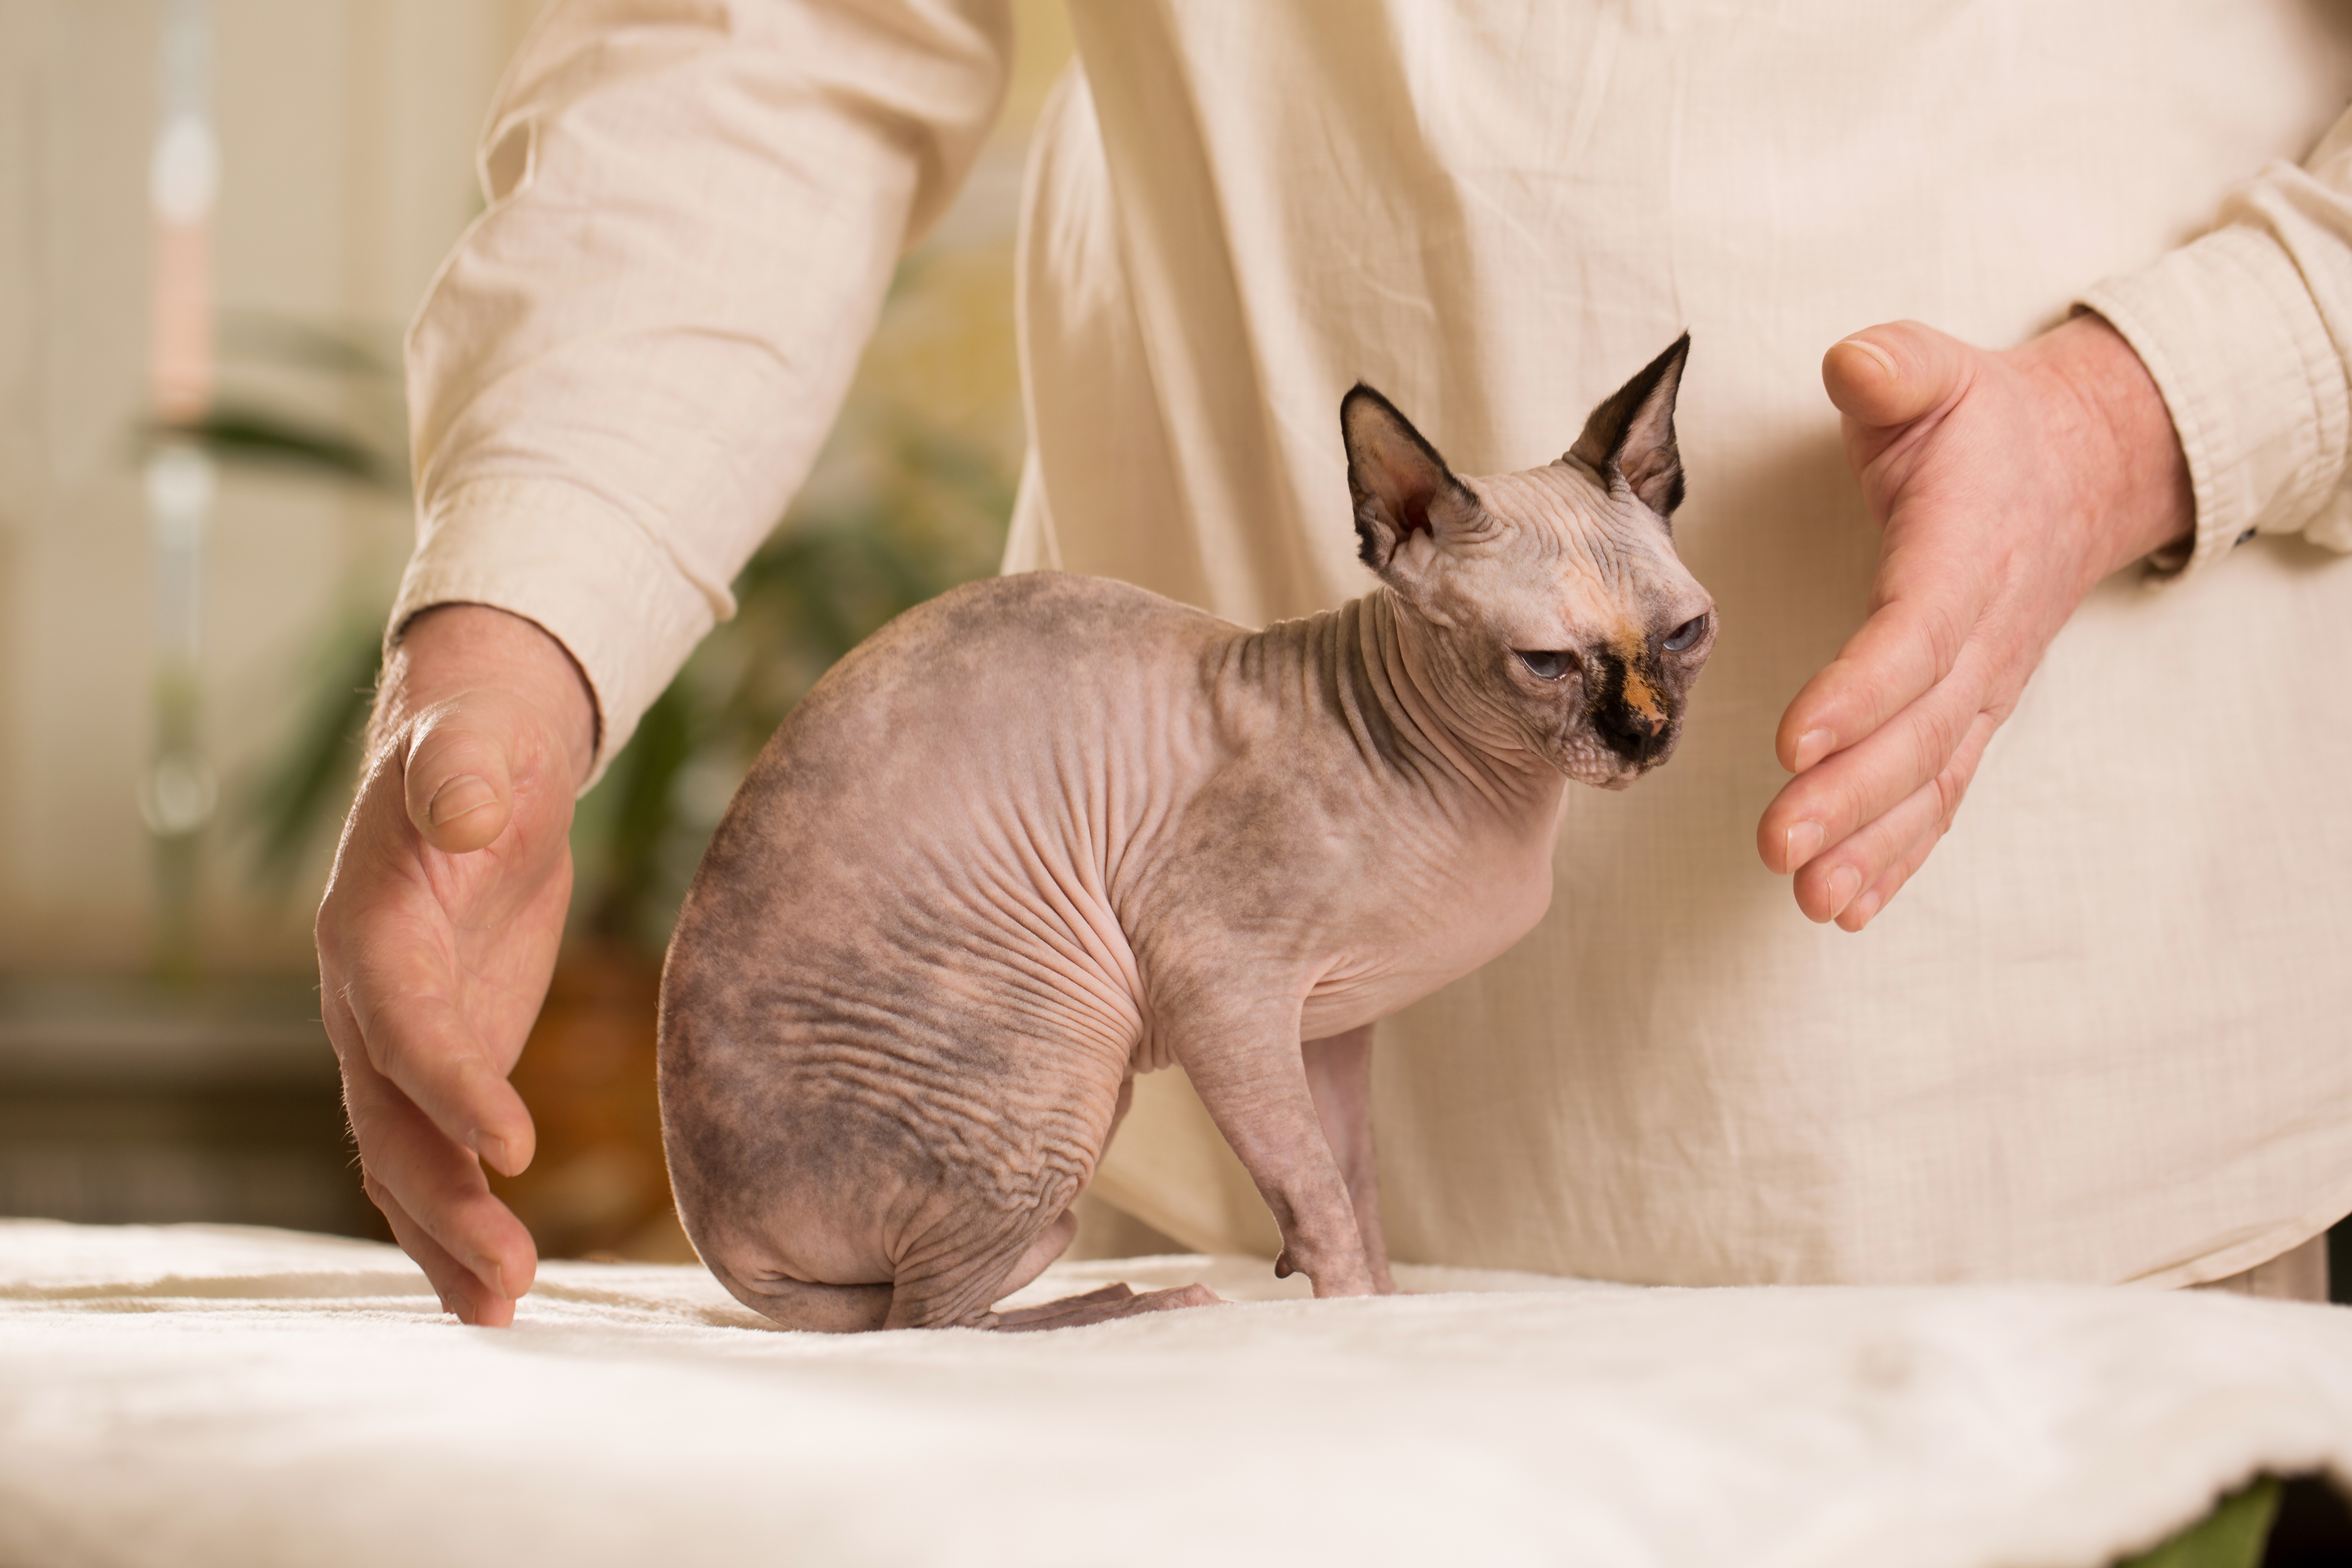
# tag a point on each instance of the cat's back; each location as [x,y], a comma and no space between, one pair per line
[978,733]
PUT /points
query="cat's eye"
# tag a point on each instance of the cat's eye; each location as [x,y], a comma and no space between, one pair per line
[1689,632]
[1548,666]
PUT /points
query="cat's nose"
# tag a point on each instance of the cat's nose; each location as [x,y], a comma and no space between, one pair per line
[1630,720]
[1630,733]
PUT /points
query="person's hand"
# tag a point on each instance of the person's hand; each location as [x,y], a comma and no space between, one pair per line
[438,932]
[2006,485]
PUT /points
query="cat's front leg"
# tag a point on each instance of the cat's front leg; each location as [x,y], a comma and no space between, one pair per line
[1339,1077]
[1245,1064]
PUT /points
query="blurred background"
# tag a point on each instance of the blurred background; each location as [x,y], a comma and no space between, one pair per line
[216,220]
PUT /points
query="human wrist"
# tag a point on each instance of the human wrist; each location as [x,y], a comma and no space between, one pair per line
[449,649]
[2137,498]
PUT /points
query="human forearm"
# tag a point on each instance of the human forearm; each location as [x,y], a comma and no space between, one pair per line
[627,365]
[2248,332]
[2133,494]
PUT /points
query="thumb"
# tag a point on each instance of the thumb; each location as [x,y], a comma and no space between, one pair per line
[1893,374]
[459,777]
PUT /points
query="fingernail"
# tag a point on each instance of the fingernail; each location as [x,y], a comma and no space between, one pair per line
[1865,908]
[1886,360]
[492,1150]
[467,792]
[490,1274]
[1811,747]
[1844,882]
[1804,843]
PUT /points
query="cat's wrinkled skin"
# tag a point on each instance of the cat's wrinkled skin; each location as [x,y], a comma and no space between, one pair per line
[1046,832]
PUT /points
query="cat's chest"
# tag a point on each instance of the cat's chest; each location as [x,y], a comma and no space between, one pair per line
[1435,916]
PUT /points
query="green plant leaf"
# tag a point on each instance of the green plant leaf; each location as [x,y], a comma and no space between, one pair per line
[2231,1536]
[254,438]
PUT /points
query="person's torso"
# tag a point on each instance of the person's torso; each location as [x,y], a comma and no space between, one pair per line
[2102,1034]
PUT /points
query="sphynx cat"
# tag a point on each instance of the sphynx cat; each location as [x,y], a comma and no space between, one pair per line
[1047,832]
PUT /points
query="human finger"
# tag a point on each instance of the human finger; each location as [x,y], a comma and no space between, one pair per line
[1826,805]
[1907,645]
[458,775]
[1867,904]
[439,1191]
[1855,878]
[415,1037]
[1830,882]
[462,1295]
[1896,373]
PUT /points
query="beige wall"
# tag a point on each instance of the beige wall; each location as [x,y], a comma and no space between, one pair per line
[347,131]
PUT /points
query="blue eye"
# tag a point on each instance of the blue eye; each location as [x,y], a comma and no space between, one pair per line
[1548,666]
[1689,632]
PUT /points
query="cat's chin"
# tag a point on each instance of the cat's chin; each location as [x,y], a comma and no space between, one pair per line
[1612,772]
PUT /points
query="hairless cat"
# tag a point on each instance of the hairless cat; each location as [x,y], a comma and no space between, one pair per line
[1047,832]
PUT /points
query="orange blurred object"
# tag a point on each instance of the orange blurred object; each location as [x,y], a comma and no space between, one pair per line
[597,1186]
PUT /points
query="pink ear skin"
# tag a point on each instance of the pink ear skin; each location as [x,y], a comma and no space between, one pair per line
[1632,433]
[1399,483]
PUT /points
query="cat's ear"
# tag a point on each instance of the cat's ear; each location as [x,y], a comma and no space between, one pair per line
[1400,485]
[1633,432]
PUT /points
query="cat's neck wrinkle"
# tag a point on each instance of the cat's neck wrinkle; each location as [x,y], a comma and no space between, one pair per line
[1366,666]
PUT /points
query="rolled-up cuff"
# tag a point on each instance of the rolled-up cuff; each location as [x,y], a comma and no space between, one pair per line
[592,577]
[2254,383]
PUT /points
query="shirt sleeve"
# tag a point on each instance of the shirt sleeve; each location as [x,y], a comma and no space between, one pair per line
[625,368]
[2248,333]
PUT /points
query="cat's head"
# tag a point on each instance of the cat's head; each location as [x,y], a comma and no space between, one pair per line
[1555,607]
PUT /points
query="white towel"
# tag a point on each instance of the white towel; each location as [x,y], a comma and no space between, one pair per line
[197,1396]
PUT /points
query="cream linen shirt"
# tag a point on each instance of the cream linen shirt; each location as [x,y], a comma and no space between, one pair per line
[2103,1035]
